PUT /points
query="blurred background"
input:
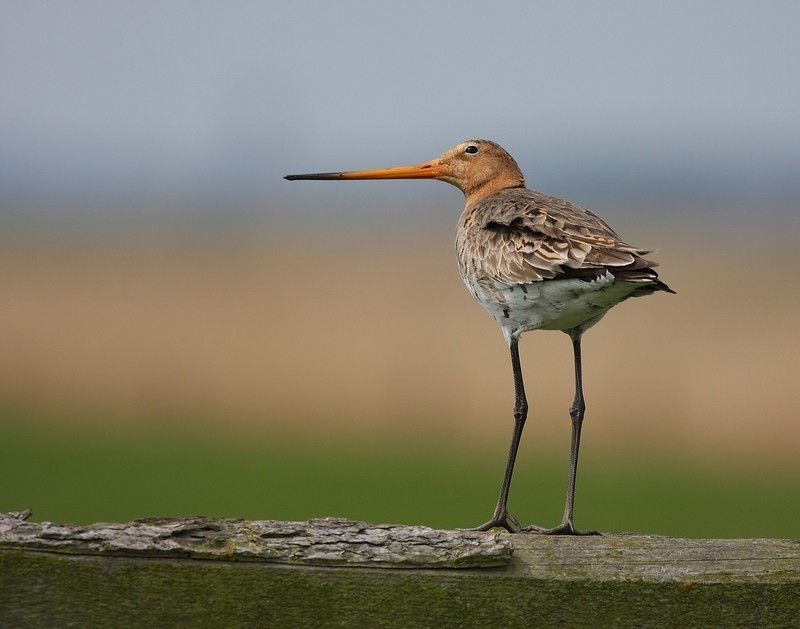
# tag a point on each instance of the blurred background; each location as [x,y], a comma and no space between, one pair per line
[184,332]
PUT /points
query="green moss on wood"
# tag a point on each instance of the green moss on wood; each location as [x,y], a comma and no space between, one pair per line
[44,590]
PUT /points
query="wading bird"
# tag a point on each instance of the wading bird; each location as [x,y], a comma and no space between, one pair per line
[534,262]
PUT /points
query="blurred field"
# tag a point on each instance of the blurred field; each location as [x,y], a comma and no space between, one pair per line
[72,475]
[159,375]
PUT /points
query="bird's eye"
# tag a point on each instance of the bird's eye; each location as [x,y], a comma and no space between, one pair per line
[471,149]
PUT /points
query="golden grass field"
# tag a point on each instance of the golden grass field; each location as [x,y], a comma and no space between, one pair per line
[373,334]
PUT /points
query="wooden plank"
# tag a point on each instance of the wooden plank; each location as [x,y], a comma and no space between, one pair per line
[212,572]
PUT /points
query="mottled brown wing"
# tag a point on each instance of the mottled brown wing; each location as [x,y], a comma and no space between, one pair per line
[520,236]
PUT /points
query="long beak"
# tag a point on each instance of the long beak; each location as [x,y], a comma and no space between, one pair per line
[427,170]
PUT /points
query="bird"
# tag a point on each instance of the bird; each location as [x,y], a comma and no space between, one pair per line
[534,262]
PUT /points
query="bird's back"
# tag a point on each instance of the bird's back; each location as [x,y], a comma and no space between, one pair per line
[535,261]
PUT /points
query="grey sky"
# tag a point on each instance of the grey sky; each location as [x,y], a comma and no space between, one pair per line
[220,99]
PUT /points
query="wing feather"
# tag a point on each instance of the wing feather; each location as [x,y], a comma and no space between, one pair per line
[519,236]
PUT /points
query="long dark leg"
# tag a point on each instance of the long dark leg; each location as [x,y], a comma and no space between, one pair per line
[501,517]
[576,413]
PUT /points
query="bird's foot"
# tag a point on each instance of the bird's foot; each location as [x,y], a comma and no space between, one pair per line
[565,528]
[502,520]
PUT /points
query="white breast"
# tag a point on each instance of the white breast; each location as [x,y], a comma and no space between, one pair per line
[561,304]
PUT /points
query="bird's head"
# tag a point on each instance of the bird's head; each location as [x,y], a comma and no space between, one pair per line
[476,167]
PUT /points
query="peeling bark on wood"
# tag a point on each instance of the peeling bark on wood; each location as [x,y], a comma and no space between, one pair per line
[215,572]
[322,542]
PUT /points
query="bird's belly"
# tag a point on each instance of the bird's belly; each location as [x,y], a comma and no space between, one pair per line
[550,304]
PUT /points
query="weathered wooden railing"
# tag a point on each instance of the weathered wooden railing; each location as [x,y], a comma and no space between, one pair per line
[194,572]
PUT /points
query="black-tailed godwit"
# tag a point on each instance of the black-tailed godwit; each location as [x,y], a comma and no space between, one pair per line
[534,262]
